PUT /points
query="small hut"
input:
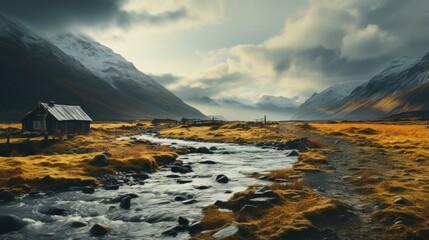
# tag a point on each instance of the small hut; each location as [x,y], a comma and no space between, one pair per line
[54,118]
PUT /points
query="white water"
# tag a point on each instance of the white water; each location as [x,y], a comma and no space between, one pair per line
[156,196]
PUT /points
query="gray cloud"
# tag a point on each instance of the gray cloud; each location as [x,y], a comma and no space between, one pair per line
[56,15]
[334,41]
[209,86]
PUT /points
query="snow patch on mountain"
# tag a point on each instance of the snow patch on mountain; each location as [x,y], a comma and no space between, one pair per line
[340,90]
[318,104]
[102,61]
[398,65]
[280,101]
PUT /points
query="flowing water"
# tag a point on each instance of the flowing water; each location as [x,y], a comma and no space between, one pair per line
[155,210]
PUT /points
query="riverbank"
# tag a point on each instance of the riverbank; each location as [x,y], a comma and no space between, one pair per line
[352,180]
[365,181]
[156,205]
[61,163]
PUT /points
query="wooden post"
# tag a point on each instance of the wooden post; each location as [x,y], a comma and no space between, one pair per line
[265,119]
[7,141]
[45,135]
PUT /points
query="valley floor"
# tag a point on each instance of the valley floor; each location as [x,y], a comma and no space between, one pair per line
[360,180]
[352,180]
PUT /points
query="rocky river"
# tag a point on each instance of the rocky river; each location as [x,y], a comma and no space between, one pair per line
[153,205]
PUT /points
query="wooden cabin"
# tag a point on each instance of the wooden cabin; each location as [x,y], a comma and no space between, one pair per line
[56,119]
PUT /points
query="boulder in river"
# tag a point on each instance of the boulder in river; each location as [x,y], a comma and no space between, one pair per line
[111,187]
[210,162]
[118,199]
[6,196]
[125,203]
[189,201]
[181,169]
[183,221]
[100,229]
[203,150]
[195,227]
[293,154]
[10,223]
[183,181]
[226,232]
[100,160]
[222,179]
[88,190]
[140,176]
[173,231]
[55,211]
[180,198]
[77,224]
[202,187]
[213,148]
[173,176]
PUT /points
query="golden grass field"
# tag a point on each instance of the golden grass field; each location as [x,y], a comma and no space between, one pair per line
[405,172]
[230,132]
[67,161]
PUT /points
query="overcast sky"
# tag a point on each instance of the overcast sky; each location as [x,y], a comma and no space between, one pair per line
[242,48]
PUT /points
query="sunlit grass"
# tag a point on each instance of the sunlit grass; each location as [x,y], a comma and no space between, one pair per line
[402,171]
[228,132]
[67,160]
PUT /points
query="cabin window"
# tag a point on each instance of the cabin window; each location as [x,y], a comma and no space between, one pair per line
[37,125]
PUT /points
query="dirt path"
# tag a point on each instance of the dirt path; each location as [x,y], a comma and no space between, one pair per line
[332,183]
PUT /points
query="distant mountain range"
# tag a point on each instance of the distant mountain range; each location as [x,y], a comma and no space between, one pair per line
[76,70]
[265,102]
[402,87]
[275,107]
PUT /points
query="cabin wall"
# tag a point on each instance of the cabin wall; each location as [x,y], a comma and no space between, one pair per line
[29,121]
[72,127]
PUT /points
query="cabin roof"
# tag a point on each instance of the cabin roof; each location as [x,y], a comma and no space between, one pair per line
[66,112]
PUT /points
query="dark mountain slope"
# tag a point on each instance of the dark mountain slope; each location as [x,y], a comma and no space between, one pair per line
[387,94]
[33,69]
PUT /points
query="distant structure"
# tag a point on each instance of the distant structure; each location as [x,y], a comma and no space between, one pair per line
[56,119]
[158,121]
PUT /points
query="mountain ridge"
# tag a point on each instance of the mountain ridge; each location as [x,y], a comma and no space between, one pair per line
[392,91]
[32,69]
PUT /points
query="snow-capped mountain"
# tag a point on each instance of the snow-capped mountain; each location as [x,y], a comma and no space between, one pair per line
[102,61]
[265,102]
[318,105]
[397,66]
[33,69]
[402,87]
[279,102]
